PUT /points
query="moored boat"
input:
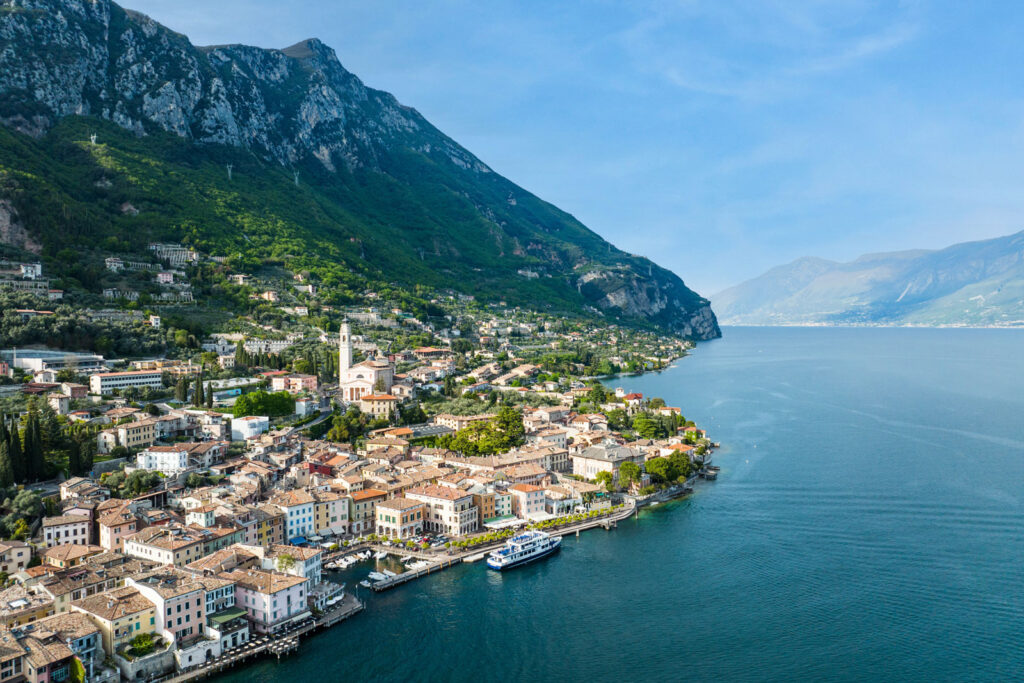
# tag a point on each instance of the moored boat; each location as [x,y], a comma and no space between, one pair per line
[523,548]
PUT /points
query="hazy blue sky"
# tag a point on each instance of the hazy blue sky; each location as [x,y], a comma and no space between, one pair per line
[719,138]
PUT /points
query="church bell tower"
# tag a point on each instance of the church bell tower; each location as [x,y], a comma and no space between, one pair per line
[344,350]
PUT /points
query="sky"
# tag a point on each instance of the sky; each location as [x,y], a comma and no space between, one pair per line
[719,138]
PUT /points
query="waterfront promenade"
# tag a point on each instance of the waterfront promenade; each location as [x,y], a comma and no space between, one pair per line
[277,644]
[455,558]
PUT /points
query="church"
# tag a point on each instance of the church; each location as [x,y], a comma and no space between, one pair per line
[371,376]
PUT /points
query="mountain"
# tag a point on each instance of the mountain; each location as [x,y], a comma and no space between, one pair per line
[974,283]
[326,174]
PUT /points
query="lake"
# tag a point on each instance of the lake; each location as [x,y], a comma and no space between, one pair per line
[866,524]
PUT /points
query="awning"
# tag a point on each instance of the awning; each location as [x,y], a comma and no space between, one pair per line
[298,540]
[503,522]
[227,615]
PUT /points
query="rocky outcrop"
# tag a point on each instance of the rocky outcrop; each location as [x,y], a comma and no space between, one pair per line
[655,298]
[12,232]
[299,106]
[91,57]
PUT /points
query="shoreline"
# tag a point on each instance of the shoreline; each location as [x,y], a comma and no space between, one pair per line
[288,643]
[878,326]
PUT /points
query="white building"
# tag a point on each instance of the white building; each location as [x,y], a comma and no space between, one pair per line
[243,428]
[169,460]
[604,458]
[448,510]
[361,379]
[66,530]
[107,382]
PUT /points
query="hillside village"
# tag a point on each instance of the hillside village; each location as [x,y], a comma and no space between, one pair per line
[167,506]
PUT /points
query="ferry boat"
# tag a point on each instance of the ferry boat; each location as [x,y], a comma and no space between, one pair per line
[526,547]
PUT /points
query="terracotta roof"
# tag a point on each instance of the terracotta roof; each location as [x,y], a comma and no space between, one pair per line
[115,604]
[70,551]
[367,493]
[445,492]
[72,625]
[525,488]
[64,519]
[262,581]
[292,498]
[399,504]
[44,648]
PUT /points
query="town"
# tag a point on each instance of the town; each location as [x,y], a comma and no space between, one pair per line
[170,513]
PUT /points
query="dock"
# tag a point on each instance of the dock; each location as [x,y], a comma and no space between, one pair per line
[405,577]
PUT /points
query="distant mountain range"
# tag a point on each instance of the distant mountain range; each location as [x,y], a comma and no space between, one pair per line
[279,156]
[970,284]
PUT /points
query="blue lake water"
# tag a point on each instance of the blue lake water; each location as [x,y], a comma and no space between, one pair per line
[867,524]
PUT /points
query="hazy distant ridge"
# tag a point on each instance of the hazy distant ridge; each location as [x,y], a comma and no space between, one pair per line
[973,283]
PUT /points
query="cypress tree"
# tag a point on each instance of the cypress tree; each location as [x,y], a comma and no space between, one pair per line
[197,399]
[209,399]
[6,475]
[74,459]
[181,389]
[33,449]
[87,451]
[5,436]
[17,454]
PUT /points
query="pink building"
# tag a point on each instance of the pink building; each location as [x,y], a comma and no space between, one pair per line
[115,526]
[271,599]
[180,601]
[294,384]
[527,500]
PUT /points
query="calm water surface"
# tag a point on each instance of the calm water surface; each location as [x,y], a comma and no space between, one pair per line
[867,524]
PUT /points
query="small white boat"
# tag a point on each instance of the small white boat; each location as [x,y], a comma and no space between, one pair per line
[377,576]
[657,502]
[381,555]
[365,555]
[364,584]
[389,573]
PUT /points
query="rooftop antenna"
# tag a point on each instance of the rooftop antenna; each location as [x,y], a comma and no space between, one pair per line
[230,167]
[92,138]
[295,175]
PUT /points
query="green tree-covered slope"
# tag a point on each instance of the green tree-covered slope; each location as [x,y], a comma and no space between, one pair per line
[382,197]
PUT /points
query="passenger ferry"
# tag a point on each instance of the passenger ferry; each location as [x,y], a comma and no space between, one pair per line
[526,547]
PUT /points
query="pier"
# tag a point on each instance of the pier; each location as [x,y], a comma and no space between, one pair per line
[405,577]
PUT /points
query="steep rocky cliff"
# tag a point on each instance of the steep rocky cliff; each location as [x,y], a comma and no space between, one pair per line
[401,183]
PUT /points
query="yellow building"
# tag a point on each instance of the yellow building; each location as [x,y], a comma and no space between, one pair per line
[270,522]
[137,434]
[330,513]
[400,518]
[120,615]
[19,607]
